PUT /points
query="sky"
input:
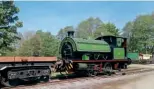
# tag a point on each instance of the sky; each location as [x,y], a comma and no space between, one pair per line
[52,16]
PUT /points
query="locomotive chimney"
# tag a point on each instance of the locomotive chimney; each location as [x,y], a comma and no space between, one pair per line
[70,34]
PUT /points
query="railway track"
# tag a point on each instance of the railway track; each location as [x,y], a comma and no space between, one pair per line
[81,79]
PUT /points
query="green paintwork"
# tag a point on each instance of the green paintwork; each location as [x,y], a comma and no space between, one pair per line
[85,57]
[92,45]
[133,56]
[87,45]
[119,53]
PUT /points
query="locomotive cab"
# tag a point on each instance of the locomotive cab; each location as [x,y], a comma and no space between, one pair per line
[117,45]
[113,41]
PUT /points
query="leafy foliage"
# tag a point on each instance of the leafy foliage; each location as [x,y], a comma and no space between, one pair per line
[94,27]
[42,44]
[106,29]
[86,28]
[9,22]
[49,44]
[140,34]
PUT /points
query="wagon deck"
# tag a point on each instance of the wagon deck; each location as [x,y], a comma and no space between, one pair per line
[28,59]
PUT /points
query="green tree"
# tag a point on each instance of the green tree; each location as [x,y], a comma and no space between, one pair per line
[49,44]
[41,43]
[127,32]
[106,29]
[140,32]
[9,22]
[143,32]
[86,28]
[35,43]
[127,29]
[25,49]
[30,46]
[112,29]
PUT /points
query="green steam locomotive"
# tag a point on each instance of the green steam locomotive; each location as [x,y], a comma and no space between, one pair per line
[102,52]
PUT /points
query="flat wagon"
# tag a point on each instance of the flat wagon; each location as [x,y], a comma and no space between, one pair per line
[15,69]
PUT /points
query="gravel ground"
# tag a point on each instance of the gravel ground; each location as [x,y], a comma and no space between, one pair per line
[123,82]
[141,66]
[142,81]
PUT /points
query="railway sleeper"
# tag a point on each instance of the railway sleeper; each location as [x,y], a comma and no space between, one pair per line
[12,76]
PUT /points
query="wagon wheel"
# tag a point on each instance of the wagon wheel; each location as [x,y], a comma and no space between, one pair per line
[125,66]
[108,68]
[129,61]
[45,78]
[8,83]
[95,73]
[92,73]
[89,73]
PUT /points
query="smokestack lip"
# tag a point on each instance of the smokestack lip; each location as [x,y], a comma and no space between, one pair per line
[71,31]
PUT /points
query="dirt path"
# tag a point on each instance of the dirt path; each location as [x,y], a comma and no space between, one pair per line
[145,82]
[139,82]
